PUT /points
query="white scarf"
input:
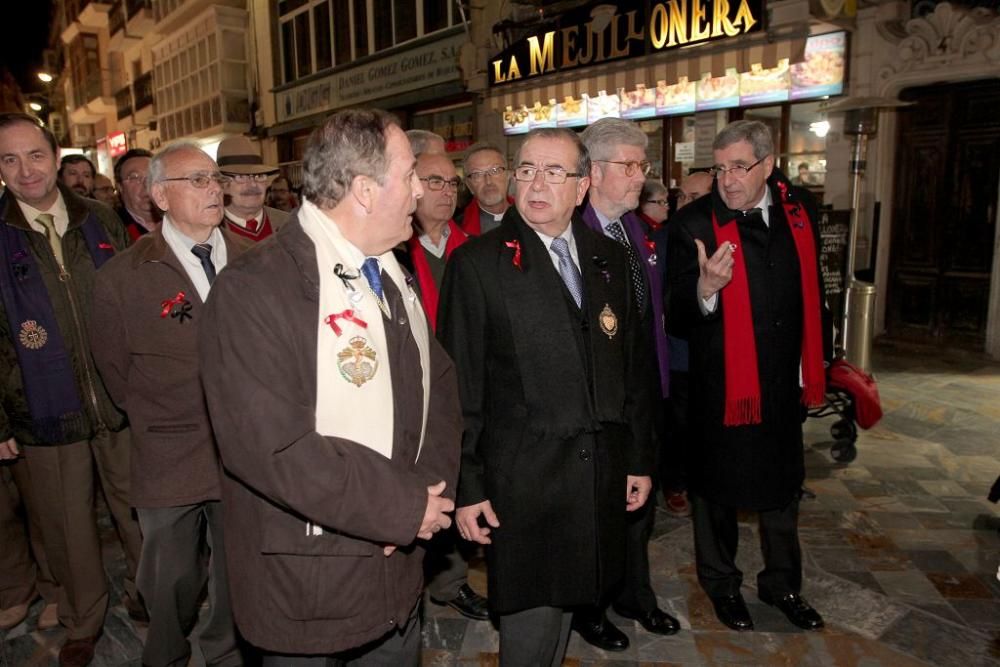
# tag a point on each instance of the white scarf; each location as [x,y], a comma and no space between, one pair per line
[358,409]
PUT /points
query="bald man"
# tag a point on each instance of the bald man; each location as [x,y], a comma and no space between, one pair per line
[694,186]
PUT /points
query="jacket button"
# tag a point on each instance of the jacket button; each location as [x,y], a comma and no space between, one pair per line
[770,264]
[401,321]
[778,323]
[584,454]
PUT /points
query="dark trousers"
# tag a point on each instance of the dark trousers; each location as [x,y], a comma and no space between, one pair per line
[716,539]
[182,549]
[24,570]
[63,491]
[398,648]
[673,450]
[535,637]
[445,567]
[636,593]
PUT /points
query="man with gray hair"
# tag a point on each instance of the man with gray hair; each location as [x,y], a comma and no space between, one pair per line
[745,292]
[340,432]
[147,311]
[617,175]
[425,141]
[486,176]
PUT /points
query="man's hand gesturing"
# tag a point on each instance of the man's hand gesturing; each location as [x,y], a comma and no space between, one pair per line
[716,271]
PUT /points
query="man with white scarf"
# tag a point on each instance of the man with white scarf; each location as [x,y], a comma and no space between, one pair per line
[340,430]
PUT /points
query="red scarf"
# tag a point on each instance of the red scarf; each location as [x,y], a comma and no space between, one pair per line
[470,217]
[740,347]
[422,270]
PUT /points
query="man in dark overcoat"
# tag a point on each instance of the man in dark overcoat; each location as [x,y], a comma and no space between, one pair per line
[539,318]
[744,290]
[340,431]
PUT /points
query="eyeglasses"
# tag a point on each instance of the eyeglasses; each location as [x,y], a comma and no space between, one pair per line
[553,175]
[739,171]
[492,172]
[659,202]
[242,178]
[437,183]
[134,178]
[631,166]
[202,181]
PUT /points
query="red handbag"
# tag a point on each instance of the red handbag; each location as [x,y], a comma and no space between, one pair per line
[847,377]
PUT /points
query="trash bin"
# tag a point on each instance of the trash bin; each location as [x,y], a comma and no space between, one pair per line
[859,329]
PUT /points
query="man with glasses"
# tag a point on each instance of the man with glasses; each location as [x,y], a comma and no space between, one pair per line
[104,191]
[56,417]
[246,216]
[617,175]
[745,292]
[547,337]
[147,311]
[138,213]
[486,176]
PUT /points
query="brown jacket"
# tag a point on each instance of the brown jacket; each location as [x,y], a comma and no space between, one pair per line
[146,351]
[295,590]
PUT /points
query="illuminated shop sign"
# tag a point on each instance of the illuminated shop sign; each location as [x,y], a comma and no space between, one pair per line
[820,74]
[629,29]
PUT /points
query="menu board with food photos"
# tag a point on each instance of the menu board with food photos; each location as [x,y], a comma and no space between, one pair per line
[820,74]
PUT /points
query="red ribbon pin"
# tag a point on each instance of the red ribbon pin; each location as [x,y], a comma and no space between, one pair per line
[344,315]
[169,304]
[516,245]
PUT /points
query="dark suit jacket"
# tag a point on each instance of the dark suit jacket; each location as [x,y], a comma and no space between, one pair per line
[149,363]
[294,591]
[756,466]
[553,422]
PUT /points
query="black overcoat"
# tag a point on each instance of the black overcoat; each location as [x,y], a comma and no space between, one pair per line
[557,410]
[757,466]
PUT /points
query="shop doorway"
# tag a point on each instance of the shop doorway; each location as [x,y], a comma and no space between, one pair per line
[945,214]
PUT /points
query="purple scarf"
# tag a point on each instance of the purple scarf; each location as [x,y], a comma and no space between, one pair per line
[46,368]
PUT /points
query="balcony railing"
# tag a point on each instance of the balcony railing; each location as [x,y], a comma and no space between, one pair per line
[143,90]
[123,101]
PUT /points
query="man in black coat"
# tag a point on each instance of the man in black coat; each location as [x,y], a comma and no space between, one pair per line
[744,290]
[539,317]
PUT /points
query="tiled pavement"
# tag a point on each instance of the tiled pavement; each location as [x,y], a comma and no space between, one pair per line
[900,548]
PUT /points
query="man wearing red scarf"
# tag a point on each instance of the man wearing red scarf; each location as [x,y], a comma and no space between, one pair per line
[745,291]
[486,176]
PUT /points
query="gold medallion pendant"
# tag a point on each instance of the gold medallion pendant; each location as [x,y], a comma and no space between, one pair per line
[357,362]
[33,335]
[608,321]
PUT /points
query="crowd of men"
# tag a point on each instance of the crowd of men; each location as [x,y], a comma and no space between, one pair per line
[308,412]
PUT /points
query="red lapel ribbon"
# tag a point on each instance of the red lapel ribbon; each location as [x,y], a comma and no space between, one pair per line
[516,245]
[344,315]
[169,304]
[106,246]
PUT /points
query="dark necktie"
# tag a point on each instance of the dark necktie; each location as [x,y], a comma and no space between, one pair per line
[203,251]
[615,229]
[567,269]
[252,225]
[374,275]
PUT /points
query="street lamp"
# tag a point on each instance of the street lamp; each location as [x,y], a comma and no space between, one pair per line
[45,77]
[35,106]
[858,323]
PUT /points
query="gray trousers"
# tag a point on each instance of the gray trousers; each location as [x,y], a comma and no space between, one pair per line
[398,648]
[534,637]
[181,550]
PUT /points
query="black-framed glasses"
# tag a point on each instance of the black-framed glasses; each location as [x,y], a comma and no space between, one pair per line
[739,171]
[243,178]
[658,202]
[631,166]
[552,175]
[201,181]
[492,172]
[437,183]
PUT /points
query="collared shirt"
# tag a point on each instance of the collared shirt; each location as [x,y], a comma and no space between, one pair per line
[242,222]
[60,215]
[489,221]
[709,305]
[436,249]
[181,244]
[568,235]
[606,222]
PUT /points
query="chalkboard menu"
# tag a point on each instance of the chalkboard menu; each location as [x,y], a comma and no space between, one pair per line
[834,227]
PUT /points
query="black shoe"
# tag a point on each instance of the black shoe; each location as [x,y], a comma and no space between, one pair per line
[657,621]
[733,612]
[468,603]
[600,632]
[796,610]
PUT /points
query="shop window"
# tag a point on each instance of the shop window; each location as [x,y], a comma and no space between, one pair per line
[436,15]
[303,48]
[404,17]
[341,32]
[383,27]
[359,16]
[805,160]
[321,25]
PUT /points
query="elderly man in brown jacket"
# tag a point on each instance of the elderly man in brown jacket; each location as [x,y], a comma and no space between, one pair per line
[147,311]
[340,433]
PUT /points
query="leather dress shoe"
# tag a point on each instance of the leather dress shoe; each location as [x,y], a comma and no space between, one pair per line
[796,610]
[600,632]
[468,603]
[732,612]
[656,621]
[77,652]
